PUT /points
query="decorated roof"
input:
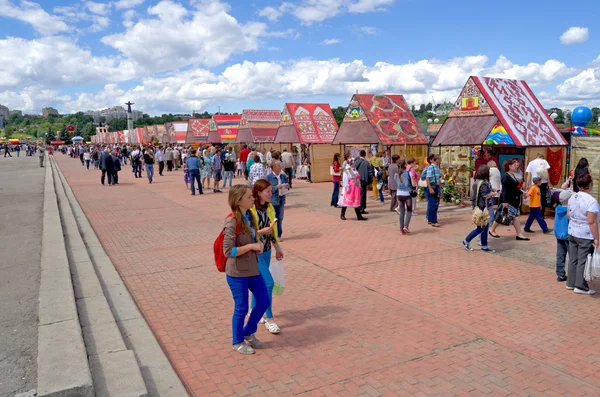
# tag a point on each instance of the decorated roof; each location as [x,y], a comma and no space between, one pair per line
[307,123]
[258,126]
[499,136]
[515,106]
[199,129]
[380,118]
[180,128]
[227,126]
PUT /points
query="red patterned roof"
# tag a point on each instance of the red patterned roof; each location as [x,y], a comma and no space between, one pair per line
[258,126]
[313,123]
[389,116]
[199,129]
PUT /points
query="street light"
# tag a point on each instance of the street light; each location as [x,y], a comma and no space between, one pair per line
[553,116]
[436,120]
[429,121]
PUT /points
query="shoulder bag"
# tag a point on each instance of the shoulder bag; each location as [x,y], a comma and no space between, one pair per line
[480,217]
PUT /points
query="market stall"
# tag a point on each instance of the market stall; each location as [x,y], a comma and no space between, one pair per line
[314,125]
[382,122]
[259,128]
[224,128]
[500,114]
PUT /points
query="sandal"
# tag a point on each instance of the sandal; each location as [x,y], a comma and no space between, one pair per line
[272,327]
[494,235]
[243,348]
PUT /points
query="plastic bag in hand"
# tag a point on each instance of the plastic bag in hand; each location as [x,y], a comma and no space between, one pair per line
[278,272]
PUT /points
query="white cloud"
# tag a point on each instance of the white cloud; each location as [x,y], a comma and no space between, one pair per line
[128,3]
[370,30]
[363,6]
[533,73]
[330,41]
[582,89]
[270,13]
[98,8]
[311,11]
[178,37]
[57,61]
[99,23]
[290,33]
[33,14]
[32,99]
[574,35]
[128,18]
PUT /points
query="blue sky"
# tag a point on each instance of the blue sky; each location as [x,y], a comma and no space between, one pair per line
[183,55]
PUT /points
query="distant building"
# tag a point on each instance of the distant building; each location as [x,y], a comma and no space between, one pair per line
[48,111]
[4,112]
[116,112]
[17,112]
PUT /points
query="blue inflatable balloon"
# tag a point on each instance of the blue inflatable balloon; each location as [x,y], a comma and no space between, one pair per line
[581,116]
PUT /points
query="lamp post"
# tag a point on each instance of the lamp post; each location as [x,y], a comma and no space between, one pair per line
[553,116]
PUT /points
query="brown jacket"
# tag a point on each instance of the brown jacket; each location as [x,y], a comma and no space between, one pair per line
[240,266]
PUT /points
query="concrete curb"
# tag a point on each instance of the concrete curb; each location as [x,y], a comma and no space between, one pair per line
[159,376]
[63,368]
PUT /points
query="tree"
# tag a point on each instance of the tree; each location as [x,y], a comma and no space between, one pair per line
[595,115]
[8,131]
[64,134]
[338,114]
[560,119]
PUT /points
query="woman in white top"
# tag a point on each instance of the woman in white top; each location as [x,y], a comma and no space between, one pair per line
[87,157]
[583,234]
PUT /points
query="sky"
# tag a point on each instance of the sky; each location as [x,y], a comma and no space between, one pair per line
[179,56]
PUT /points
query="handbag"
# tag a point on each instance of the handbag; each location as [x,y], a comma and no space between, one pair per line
[413,191]
[284,190]
[480,217]
[333,173]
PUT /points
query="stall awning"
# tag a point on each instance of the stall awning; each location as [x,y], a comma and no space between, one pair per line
[463,131]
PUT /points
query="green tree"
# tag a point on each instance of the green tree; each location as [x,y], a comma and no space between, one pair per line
[595,115]
[560,119]
[8,131]
[338,114]
[64,134]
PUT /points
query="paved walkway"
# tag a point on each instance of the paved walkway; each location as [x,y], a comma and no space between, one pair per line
[21,203]
[367,310]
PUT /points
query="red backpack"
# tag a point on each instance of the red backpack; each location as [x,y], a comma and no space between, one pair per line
[220,258]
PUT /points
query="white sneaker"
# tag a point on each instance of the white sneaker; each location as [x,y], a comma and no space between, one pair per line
[584,292]
[570,288]
[262,320]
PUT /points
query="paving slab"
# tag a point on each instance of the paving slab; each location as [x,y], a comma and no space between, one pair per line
[117,375]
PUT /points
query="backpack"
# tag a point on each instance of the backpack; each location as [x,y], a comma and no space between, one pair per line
[541,171]
[424,173]
[220,258]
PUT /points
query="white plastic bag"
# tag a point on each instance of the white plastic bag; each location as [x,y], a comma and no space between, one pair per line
[278,273]
[587,272]
[596,264]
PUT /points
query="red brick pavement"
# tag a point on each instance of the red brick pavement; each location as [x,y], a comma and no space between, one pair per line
[367,310]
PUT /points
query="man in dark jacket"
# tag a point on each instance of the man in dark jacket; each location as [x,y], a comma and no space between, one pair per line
[116,168]
[365,170]
[106,164]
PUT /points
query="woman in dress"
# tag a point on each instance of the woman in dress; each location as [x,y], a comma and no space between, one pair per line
[511,198]
[264,212]
[336,178]
[206,172]
[257,171]
[351,191]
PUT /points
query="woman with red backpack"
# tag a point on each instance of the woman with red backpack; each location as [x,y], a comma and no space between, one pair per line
[241,247]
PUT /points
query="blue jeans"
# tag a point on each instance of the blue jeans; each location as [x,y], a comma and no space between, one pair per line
[264,263]
[279,214]
[536,213]
[480,230]
[227,175]
[150,171]
[336,192]
[562,247]
[87,164]
[381,194]
[239,290]
[195,176]
[433,202]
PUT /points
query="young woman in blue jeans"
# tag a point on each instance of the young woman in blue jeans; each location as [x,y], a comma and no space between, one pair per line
[241,248]
[264,212]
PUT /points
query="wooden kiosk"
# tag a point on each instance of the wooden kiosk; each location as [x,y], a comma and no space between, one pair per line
[310,124]
[259,128]
[384,120]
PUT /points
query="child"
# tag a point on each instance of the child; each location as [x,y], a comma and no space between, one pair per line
[240,168]
[535,207]
[186,176]
[561,232]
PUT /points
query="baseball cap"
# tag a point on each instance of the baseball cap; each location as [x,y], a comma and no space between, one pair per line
[565,195]
[536,179]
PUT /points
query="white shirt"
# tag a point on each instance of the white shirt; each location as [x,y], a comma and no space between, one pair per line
[534,165]
[86,156]
[495,178]
[579,205]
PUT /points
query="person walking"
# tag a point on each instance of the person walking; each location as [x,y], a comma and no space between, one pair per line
[392,186]
[404,188]
[241,248]
[87,158]
[410,167]
[433,179]
[216,169]
[18,150]
[149,164]
[6,150]
[539,167]
[561,232]
[583,234]
[136,162]
[365,171]
[206,173]
[41,155]
[264,212]
[244,158]
[193,165]
[336,178]
[352,191]
[160,159]
[280,186]
[228,170]
[257,170]
[535,207]
[106,161]
[510,198]
[481,193]
[116,167]
[169,156]
[287,159]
